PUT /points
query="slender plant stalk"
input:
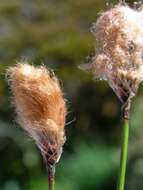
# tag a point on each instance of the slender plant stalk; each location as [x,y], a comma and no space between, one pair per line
[123,158]
[51,176]
[51,181]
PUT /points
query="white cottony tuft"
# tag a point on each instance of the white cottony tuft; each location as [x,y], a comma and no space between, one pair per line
[119,49]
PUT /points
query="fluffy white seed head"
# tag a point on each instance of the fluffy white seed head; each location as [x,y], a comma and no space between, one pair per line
[119,49]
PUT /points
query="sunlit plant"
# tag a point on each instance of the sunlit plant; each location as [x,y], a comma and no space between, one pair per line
[119,61]
[41,110]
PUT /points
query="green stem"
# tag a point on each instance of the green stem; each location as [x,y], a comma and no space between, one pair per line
[51,176]
[51,183]
[123,158]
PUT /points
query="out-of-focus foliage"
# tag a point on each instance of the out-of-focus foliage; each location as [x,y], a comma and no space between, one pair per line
[57,33]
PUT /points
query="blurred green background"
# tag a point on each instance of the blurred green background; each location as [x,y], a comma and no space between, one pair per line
[57,33]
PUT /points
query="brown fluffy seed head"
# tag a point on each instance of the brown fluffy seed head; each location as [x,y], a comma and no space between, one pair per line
[40,107]
[119,50]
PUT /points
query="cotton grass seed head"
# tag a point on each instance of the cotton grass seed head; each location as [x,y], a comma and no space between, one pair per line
[119,50]
[40,107]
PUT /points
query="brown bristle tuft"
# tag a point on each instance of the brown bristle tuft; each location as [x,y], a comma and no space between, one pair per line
[40,107]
